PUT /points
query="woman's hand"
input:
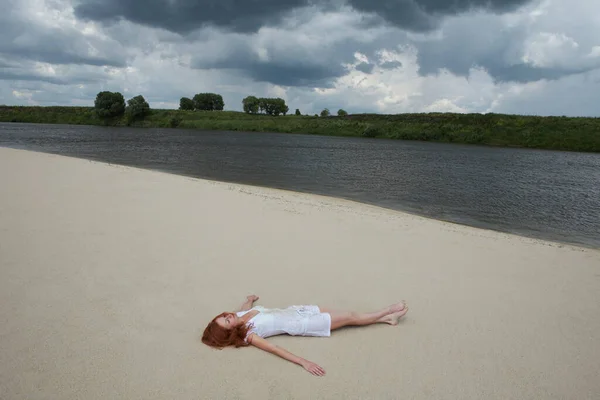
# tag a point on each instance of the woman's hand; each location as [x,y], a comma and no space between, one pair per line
[313,368]
[249,302]
[263,344]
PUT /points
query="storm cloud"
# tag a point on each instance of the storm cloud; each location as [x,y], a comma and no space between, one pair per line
[299,63]
[365,67]
[424,15]
[184,16]
[381,56]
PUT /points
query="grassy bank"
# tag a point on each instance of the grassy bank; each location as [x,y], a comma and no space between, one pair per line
[558,133]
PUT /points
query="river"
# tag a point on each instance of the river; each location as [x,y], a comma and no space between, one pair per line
[551,195]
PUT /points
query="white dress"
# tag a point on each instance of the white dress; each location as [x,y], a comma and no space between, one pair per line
[294,320]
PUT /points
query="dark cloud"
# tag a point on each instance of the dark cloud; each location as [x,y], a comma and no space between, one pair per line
[187,15]
[290,65]
[281,71]
[527,73]
[365,67]
[184,16]
[391,65]
[424,15]
[296,75]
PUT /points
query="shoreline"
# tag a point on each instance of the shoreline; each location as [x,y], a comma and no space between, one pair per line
[406,211]
[492,130]
[110,273]
[212,130]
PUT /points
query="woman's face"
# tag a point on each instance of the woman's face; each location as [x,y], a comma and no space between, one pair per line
[228,320]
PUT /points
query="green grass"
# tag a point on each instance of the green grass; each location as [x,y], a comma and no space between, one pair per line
[557,133]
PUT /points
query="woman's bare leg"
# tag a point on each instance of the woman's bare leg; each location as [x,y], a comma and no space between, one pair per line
[340,319]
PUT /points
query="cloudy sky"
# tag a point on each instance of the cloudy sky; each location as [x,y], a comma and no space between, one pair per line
[389,56]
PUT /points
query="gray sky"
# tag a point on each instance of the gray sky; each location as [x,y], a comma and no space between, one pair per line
[503,56]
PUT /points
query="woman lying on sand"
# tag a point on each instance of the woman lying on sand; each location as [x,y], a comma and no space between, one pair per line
[251,325]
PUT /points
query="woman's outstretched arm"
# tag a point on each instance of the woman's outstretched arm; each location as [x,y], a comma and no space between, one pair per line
[263,344]
[249,303]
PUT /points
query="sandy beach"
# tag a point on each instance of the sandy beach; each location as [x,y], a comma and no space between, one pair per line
[109,274]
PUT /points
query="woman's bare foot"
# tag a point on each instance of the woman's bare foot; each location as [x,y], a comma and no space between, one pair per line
[394,318]
[395,308]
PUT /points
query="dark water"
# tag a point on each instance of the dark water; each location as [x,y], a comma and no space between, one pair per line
[545,194]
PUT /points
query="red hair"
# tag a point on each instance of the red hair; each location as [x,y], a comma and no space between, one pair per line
[216,336]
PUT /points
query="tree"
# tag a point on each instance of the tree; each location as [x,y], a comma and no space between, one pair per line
[186,104]
[298,112]
[342,113]
[280,107]
[251,104]
[137,108]
[262,104]
[325,112]
[109,104]
[273,106]
[218,103]
[208,102]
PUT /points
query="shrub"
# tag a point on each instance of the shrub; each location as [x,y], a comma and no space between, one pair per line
[371,131]
[174,122]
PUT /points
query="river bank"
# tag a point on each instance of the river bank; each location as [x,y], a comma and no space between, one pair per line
[553,133]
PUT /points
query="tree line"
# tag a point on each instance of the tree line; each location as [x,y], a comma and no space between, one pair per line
[250,104]
[112,105]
